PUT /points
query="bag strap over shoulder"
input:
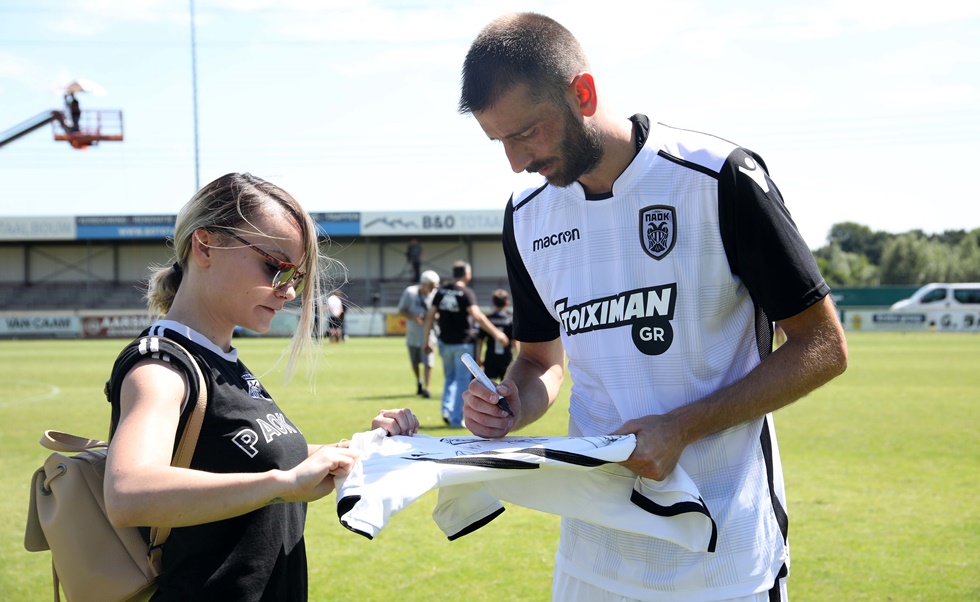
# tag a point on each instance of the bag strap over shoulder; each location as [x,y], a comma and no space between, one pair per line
[182,457]
[188,441]
[64,442]
[184,453]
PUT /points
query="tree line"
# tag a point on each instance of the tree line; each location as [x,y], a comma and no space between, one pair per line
[857,256]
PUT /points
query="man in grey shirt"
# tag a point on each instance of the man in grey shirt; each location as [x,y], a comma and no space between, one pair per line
[414,302]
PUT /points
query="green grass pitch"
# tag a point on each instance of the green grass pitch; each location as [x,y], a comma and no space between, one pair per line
[882,469]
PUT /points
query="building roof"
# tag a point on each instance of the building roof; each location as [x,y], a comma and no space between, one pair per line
[358,223]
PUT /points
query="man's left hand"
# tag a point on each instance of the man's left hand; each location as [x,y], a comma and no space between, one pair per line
[658,445]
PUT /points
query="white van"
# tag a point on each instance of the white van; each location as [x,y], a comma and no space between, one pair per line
[941,296]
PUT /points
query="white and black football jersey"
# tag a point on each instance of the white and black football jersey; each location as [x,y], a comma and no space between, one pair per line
[568,476]
[664,291]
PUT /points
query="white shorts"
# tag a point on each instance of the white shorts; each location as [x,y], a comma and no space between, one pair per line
[565,588]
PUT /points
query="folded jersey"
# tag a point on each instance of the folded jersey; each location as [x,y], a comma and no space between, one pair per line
[570,476]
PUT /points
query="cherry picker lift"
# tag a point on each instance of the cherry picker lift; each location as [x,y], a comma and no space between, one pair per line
[81,129]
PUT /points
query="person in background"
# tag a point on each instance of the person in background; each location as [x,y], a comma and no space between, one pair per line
[455,307]
[335,317]
[317,325]
[74,110]
[413,254]
[656,258]
[413,305]
[497,357]
[244,248]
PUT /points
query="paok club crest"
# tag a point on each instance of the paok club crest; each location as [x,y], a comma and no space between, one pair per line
[658,230]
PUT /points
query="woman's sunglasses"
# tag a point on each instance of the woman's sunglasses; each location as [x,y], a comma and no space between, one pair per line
[286,273]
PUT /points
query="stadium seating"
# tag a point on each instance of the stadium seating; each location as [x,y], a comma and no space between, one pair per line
[85,295]
[361,293]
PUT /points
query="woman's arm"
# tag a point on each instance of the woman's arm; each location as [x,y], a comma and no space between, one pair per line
[142,489]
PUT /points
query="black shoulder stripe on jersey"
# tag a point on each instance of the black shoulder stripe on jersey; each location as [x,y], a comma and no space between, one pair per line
[701,168]
[529,197]
[762,243]
[532,322]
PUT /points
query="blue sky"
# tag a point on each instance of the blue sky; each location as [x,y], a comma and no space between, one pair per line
[865,111]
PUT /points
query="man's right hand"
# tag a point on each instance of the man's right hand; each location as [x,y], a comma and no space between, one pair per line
[484,418]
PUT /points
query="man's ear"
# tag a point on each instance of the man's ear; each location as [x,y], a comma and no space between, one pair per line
[201,243]
[583,87]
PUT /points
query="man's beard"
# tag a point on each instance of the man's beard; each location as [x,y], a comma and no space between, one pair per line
[580,151]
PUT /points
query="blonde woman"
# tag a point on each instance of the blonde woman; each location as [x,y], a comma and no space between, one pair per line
[244,248]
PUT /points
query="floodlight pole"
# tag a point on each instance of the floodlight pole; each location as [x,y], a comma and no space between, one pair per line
[197,162]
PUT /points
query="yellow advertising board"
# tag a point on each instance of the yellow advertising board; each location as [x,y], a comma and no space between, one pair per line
[394,324]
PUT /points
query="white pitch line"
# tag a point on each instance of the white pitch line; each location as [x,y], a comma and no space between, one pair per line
[53,391]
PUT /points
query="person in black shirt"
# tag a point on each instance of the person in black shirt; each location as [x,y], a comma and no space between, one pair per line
[244,248]
[455,307]
[497,357]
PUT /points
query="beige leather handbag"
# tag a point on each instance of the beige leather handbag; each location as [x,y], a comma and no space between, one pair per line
[91,559]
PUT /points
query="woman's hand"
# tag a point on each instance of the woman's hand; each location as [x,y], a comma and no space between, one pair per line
[397,422]
[312,478]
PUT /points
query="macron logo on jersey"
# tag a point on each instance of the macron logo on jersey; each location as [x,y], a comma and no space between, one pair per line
[752,170]
[647,311]
[556,239]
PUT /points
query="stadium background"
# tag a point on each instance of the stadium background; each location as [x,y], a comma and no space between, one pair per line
[84,276]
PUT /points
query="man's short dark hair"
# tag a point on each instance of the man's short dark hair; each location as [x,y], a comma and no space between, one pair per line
[520,48]
[459,269]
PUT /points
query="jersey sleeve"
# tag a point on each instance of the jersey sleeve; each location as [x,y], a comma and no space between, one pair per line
[762,243]
[142,349]
[532,321]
